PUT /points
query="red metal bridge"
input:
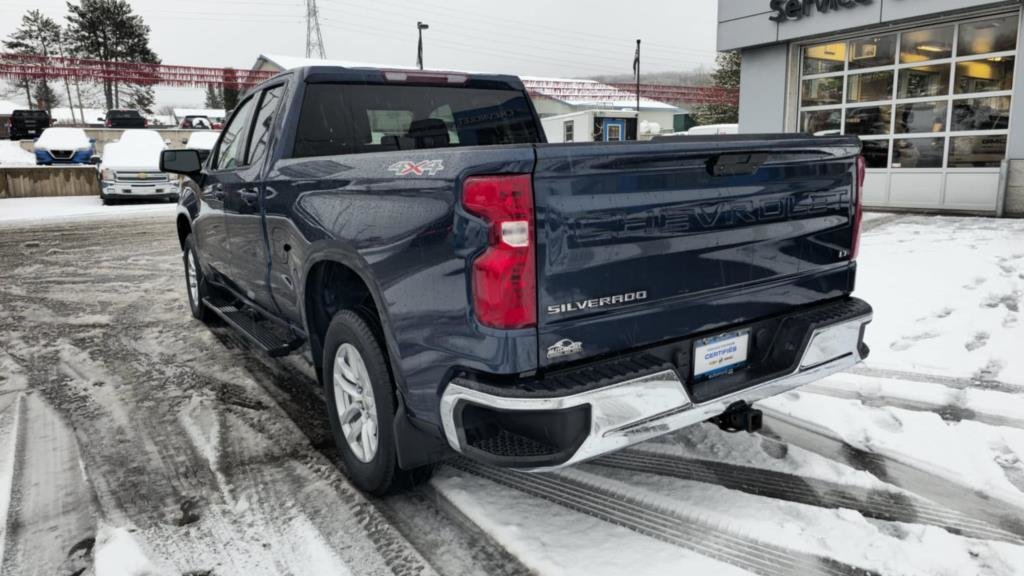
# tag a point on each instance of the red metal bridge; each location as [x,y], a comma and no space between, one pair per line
[22,66]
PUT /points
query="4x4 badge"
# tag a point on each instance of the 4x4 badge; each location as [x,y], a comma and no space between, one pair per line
[564,347]
[406,167]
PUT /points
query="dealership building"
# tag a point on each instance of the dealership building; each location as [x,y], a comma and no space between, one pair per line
[928,86]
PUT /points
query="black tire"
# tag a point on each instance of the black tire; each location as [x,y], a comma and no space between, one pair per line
[195,301]
[381,474]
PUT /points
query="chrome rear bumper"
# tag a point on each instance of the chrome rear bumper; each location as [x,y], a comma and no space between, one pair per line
[639,409]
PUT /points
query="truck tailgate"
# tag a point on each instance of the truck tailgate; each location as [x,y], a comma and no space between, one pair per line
[645,242]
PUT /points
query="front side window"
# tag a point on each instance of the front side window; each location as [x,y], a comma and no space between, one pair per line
[364,118]
[264,118]
[231,151]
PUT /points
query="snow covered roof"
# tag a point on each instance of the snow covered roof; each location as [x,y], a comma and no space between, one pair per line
[136,153]
[589,94]
[211,113]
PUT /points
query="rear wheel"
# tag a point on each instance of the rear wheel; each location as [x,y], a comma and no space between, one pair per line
[360,396]
[195,282]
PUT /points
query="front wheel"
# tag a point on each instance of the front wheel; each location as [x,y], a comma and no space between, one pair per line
[195,281]
[360,396]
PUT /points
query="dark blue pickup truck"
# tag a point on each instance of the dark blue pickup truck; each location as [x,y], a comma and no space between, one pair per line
[464,287]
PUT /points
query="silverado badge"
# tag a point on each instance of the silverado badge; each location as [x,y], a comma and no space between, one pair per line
[406,167]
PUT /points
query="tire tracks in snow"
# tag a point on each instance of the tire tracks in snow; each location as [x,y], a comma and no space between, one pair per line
[53,509]
[451,544]
[952,411]
[899,470]
[878,504]
[686,531]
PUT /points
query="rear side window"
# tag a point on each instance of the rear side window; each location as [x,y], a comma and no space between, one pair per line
[360,118]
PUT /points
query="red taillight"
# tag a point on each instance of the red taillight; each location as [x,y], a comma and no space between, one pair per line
[505,276]
[108,123]
[858,207]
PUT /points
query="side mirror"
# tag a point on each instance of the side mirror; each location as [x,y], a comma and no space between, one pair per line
[95,160]
[185,162]
[92,140]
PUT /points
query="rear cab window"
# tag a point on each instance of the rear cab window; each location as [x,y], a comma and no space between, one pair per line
[363,118]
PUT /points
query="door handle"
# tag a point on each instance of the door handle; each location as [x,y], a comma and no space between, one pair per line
[249,196]
[218,191]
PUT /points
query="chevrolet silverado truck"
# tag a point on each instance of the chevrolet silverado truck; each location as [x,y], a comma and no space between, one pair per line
[464,287]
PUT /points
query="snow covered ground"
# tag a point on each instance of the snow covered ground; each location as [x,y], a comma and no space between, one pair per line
[23,211]
[12,154]
[133,441]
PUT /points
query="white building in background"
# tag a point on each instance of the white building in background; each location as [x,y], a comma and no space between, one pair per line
[927,85]
[560,96]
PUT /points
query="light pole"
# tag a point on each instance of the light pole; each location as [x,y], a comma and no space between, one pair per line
[420,27]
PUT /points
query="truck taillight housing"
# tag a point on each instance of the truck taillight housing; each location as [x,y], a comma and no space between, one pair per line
[504,276]
[858,207]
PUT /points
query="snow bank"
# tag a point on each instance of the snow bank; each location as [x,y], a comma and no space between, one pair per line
[20,211]
[12,154]
[63,139]
[118,554]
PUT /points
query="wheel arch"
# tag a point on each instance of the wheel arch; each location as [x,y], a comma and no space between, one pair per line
[333,282]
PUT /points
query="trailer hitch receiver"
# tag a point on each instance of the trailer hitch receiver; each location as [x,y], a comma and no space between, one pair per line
[740,417]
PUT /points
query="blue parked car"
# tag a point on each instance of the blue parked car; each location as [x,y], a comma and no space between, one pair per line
[64,146]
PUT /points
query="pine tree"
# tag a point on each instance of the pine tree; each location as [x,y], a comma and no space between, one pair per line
[726,75]
[44,96]
[230,93]
[214,97]
[38,35]
[109,30]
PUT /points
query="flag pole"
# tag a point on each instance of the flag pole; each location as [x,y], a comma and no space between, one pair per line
[636,69]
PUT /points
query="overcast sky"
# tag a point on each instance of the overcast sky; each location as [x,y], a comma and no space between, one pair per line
[565,38]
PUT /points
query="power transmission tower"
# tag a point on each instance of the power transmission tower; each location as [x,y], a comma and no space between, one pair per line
[314,40]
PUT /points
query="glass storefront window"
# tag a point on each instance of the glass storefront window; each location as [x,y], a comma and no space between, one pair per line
[872,120]
[824,58]
[876,153]
[976,151]
[921,117]
[869,87]
[821,121]
[985,75]
[931,98]
[924,81]
[822,91]
[923,45]
[918,152]
[873,51]
[985,36]
[981,114]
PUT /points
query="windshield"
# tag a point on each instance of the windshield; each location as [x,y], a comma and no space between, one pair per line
[360,118]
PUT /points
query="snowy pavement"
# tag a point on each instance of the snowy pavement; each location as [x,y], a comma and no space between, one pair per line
[135,441]
[25,211]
